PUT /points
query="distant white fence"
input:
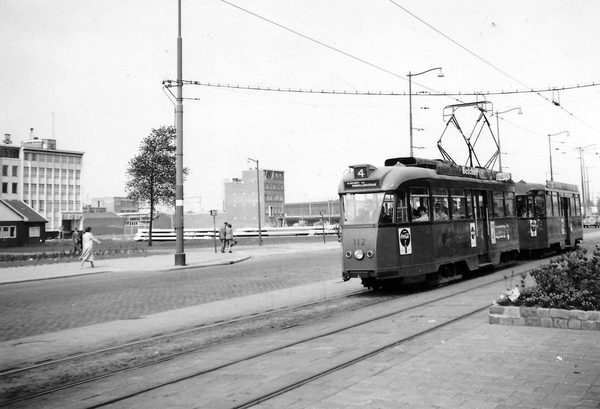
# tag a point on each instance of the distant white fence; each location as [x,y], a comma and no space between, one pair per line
[208,234]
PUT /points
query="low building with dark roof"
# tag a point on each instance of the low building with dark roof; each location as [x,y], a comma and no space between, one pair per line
[20,224]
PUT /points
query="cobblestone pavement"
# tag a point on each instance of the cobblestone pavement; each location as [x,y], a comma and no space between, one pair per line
[40,307]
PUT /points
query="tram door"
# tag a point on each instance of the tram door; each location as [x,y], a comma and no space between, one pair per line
[565,219]
[481,201]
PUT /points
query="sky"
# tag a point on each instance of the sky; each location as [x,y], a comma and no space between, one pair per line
[90,74]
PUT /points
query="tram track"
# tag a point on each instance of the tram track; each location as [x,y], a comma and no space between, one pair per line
[171,345]
[448,291]
[211,372]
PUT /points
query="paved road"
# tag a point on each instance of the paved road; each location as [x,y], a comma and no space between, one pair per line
[47,306]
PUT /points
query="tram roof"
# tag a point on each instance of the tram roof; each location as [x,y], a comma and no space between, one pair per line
[523,187]
[399,170]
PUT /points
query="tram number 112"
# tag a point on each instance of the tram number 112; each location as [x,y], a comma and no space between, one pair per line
[359,242]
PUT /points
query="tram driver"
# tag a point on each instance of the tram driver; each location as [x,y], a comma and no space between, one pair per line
[367,214]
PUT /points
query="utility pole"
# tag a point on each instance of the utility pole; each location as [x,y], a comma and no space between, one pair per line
[179,253]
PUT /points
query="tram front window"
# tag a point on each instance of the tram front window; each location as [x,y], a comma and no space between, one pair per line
[363,208]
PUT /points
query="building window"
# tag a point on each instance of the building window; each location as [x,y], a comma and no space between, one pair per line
[14,187]
[34,231]
[15,171]
[4,170]
[4,187]
[9,232]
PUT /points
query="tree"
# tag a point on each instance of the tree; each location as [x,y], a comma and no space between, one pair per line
[152,172]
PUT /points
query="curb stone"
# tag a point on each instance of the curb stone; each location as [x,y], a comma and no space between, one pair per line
[545,317]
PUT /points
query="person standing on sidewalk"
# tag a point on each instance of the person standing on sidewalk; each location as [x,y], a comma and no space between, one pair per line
[228,236]
[88,247]
[76,237]
[222,236]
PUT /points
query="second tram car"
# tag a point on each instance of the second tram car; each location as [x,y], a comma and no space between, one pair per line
[420,220]
[549,216]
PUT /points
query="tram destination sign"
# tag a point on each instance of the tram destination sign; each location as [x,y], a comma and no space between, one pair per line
[362,184]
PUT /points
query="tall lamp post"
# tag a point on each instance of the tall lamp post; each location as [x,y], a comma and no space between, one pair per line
[498,132]
[410,75]
[550,150]
[584,190]
[258,196]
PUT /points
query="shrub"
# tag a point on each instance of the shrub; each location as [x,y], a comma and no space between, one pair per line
[571,281]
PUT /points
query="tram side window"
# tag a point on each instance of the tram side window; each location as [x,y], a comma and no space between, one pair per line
[524,206]
[469,205]
[401,207]
[498,208]
[440,203]
[549,204]
[509,203]
[459,206]
[419,203]
[555,211]
[387,209]
[577,206]
[560,205]
[478,201]
[571,206]
[540,206]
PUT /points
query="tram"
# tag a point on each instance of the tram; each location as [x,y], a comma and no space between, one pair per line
[431,221]
[549,216]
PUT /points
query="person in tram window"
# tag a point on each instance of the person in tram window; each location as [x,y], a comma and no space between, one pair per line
[440,214]
[422,212]
[367,214]
[498,211]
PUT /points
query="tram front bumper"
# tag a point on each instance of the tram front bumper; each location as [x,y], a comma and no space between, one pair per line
[347,275]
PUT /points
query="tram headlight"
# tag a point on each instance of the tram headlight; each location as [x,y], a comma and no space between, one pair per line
[370,253]
[359,254]
[348,254]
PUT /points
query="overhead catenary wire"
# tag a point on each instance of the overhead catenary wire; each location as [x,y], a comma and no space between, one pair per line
[172,83]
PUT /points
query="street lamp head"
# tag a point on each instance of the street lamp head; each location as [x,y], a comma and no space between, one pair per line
[440,73]
[561,132]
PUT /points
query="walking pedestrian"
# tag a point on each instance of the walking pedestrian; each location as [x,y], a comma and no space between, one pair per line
[222,236]
[228,236]
[88,240]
